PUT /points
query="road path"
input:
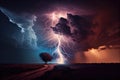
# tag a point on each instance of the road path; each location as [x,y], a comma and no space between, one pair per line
[30,75]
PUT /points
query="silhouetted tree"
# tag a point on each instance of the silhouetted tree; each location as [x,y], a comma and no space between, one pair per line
[45,57]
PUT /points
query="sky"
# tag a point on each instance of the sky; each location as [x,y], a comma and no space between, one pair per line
[25,28]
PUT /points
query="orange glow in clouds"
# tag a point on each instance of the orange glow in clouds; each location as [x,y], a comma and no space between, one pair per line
[100,55]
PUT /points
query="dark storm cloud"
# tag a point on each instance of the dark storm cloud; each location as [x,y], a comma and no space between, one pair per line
[62,28]
[103,29]
[80,27]
[106,25]
[75,26]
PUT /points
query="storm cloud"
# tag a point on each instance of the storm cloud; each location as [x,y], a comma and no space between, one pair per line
[89,24]
[102,29]
[25,23]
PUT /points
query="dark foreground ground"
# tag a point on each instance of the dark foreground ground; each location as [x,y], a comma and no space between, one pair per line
[59,72]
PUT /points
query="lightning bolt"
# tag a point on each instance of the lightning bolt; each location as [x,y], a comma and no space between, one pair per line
[61,59]
[55,17]
[61,42]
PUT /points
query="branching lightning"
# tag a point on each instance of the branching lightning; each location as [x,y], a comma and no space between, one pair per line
[61,58]
[58,38]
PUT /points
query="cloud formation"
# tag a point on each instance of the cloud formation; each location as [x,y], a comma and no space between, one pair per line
[25,23]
